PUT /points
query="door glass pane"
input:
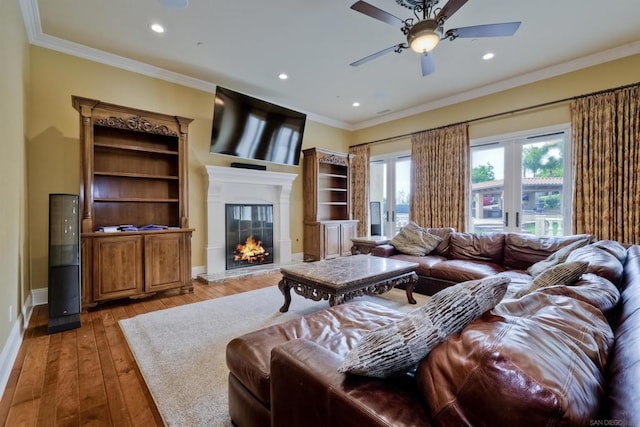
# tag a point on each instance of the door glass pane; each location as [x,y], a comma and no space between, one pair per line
[402,193]
[542,189]
[378,188]
[487,189]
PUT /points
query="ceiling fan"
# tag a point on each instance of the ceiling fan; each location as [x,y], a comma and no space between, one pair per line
[425,32]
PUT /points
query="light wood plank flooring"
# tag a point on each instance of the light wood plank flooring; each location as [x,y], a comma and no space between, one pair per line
[87,376]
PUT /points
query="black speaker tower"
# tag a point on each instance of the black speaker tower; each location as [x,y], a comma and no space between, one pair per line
[64,262]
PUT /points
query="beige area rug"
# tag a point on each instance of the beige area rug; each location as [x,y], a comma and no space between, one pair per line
[181,350]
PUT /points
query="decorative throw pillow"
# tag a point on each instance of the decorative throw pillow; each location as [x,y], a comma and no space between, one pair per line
[415,240]
[556,258]
[566,273]
[395,348]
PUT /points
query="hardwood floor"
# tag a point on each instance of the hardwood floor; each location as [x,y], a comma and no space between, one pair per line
[87,376]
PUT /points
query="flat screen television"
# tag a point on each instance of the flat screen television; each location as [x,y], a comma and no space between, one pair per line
[251,128]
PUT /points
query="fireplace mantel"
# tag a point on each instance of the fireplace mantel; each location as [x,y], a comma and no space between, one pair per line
[246,186]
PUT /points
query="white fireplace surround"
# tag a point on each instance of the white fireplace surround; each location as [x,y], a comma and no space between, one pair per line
[229,185]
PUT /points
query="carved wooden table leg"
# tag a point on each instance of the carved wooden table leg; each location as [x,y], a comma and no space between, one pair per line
[285,288]
[337,300]
[410,286]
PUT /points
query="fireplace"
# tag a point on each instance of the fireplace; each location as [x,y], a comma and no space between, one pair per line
[249,235]
[246,187]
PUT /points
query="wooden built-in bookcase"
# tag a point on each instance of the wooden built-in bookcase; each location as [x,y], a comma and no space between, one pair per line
[328,227]
[134,172]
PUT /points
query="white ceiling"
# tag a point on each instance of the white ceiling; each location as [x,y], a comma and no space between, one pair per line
[244,45]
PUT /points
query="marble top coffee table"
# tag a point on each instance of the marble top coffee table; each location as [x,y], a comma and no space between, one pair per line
[342,279]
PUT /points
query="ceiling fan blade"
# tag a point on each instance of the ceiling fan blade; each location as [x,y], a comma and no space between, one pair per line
[488,30]
[376,13]
[449,9]
[428,63]
[375,55]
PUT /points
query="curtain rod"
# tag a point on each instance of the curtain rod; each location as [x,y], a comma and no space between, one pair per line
[493,116]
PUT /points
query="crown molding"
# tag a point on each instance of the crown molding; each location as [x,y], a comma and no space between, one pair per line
[542,74]
[31,17]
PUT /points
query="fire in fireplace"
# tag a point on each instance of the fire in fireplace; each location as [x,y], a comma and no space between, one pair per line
[252,251]
[249,235]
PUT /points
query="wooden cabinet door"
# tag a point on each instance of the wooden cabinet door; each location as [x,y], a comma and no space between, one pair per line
[331,240]
[117,267]
[163,261]
[348,231]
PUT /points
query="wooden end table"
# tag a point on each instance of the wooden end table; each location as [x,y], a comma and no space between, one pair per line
[342,279]
[364,245]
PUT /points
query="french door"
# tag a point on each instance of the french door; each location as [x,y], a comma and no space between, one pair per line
[522,183]
[389,191]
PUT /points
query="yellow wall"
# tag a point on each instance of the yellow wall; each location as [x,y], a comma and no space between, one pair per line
[53,146]
[14,258]
[592,79]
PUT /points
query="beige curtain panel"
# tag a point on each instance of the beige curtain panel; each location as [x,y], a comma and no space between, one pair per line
[606,160]
[360,187]
[440,177]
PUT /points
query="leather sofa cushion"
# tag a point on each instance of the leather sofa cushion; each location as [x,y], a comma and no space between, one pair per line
[425,263]
[537,360]
[523,250]
[592,289]
[614,248]
[558,257]
[478,247]
[445,234]
[457,271]
[248,356]
[600,261]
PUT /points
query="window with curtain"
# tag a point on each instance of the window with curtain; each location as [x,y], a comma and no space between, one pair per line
[522,183]
[390,192]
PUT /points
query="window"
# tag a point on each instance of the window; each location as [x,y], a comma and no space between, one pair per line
[390,187]
[522,183]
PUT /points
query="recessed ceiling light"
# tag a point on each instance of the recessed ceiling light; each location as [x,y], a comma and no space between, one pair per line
[157,28]
[488,56]
[283,76]
[356,104]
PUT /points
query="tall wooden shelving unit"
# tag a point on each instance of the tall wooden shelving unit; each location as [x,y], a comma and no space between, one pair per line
[328,227]
[134,171]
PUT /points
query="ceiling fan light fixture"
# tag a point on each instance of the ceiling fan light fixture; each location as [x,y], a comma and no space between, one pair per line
[424,36]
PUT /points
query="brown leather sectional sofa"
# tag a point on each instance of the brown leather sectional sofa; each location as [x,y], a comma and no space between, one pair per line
[563,355]
[466,256]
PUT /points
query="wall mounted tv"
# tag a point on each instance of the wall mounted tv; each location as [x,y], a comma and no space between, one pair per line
[250,128]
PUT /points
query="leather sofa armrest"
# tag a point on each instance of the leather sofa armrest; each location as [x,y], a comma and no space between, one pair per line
[384,251]
[307,390]
[300,384]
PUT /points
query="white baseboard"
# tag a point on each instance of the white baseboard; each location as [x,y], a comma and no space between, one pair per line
[196,271]
[297,257]
[12,346]
[40,296]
